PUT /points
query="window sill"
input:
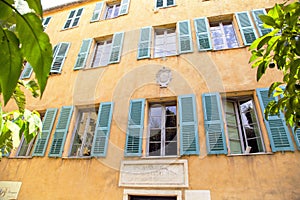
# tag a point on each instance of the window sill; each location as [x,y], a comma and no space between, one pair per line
[21,157]
[91,68]
[160,157]
[69,28]
[164,7]
[78,158]
[215,50]
[251,154]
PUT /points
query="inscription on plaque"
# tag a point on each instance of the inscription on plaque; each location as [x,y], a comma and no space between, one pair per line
[154,173]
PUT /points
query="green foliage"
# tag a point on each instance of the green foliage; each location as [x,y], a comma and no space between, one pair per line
[281,48]
[22,38]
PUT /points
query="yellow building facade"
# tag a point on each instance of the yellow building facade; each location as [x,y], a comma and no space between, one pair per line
[155,100]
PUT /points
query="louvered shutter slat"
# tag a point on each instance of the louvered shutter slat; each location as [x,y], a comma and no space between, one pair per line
[202,34]
[185,37]
[102,131]
[144,43]
[259,24]
[246,27]
[116,48]
[83,54]
[42,140]
[60,54]
[135,128]
[189,144]
[61,131]
[213,123]
[278,132]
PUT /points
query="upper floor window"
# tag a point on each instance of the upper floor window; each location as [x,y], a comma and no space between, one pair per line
[165,42]
[25,148]
[60,52]
[223,35]
[102,53]
[73,18]
[46,21]
[164,3]
[27,71]
[112,11]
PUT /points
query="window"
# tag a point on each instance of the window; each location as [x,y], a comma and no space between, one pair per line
[165,42]
[73,18]
[84,133]
[46,21]
[27,71]
[164,3]
[112,11]
[242,125]
[25,148]
[102,53]
[162,139]
[223,35]
[151,198]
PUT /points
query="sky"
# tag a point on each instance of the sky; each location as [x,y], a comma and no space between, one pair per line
[51,3]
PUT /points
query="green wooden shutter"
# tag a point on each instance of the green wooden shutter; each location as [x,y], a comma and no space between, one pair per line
[124,7]
[135,128]
[97,11]
[116,48]
[59,57]
[189,144]
[202,34]
[213,123]
[246,27]
[61,131]
[83,54]
[145,43]
[259,24]
[278,132]
[42,140]
[101,135]
[27,71]
[185,37]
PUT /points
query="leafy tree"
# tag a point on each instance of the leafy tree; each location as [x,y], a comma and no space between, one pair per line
[22,39]
[281,49]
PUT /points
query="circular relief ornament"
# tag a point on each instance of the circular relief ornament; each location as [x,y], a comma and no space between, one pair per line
[163,77]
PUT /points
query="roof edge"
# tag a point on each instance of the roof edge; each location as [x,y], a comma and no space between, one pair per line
[64,5]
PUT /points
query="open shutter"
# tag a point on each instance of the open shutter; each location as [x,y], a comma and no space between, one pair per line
[135,128]
[145,43]
[83,54]
[59,57]
[61,131]
[124,7]
[184,37]
[202,34]
[189,144]
[27,71]
[102,129]
[42,140]
[259,24]
[97,11]
[246,27]
[278,132]
[297,137]
[116,48]
[213,123]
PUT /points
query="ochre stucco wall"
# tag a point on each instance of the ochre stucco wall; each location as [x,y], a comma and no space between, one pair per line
[268,176]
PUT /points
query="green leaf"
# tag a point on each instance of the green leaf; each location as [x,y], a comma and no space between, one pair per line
[10,62]
[260,70]
[6,11]
[263,42]
[273,87]
[36,46]
[36,6]
[15,130]
[33,87]
[268,20]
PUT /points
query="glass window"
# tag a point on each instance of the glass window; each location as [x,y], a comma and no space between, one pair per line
[242,126]
[165,42]
[73,18]
[102,53]
[24,147]
[223,35]
[112,11]
[162,140]
[164,3]
[84,133]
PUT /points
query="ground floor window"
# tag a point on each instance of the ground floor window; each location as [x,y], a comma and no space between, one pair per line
[151,198]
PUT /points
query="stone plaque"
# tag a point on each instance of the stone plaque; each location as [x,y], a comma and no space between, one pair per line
[154,173]
[9,189]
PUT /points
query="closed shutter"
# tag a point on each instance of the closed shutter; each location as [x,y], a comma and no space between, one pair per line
[124,7]
[27,71]
[83,54]
[61,131]
[185,37]
[213,123]
[46,21]
[59,57]
[102,129]
[42,140]
[278,132]
[259,24]
[97,11]
[116,48]
[145,43]
[189,144]
[246,27]
[135,128]
[202,34]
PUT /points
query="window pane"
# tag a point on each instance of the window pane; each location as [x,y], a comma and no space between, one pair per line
[116,12]
[170,148]
[230,36]
[24,148]
[154,149]
[170,2]
[159,3]
[155,135]
[109,12]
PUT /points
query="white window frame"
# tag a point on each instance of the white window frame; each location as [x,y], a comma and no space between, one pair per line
[241,131]
[45,20]
[163,128]
[80,154]
[73,18]
[165,46]
[221,25]
[102,51]
[29,147]
[165,4]
[113,10]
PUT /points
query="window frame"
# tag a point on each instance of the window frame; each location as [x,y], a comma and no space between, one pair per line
[163,105]
[114,6]
[92,58]
[29,147]
[165,33]
[71,25]
[44,20]
[164,4]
